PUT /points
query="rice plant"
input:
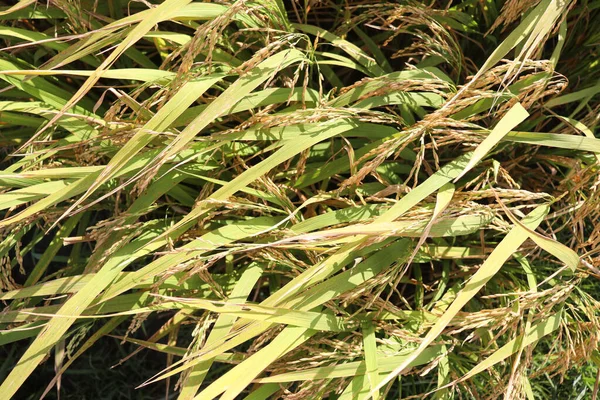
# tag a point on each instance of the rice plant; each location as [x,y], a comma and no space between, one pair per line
[313,199]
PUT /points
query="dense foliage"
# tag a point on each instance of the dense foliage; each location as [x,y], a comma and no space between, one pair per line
[312,199]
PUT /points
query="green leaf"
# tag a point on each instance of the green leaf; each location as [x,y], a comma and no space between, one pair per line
[370,350]
[532,335]
[512,118]
[490,267]
[355,368]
